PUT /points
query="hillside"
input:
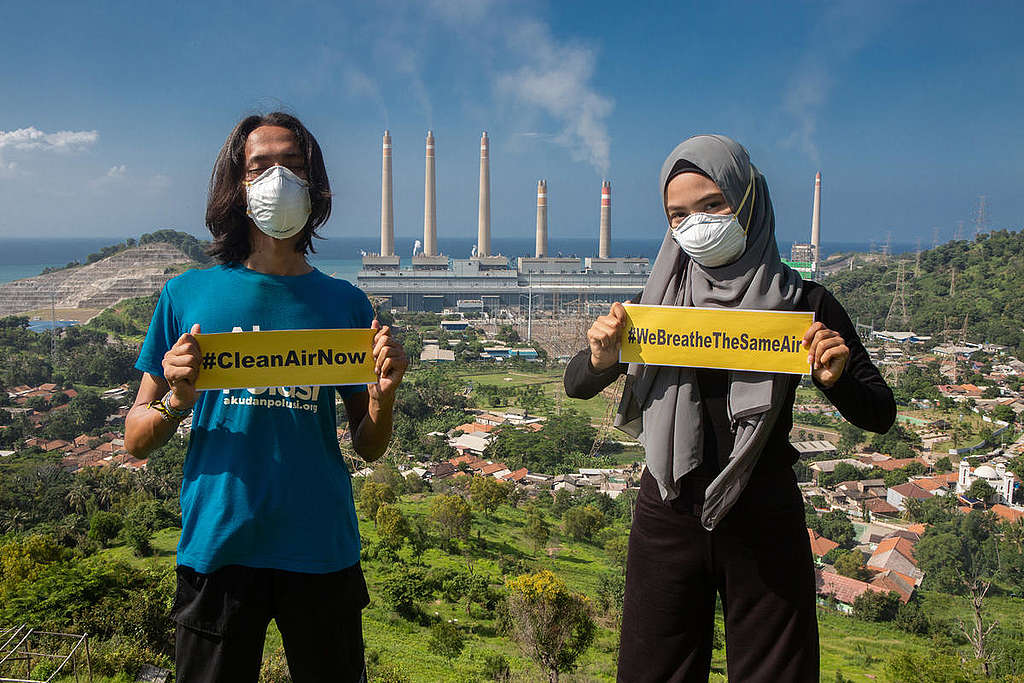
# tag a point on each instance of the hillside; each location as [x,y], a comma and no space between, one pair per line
[989,288]
[133,272]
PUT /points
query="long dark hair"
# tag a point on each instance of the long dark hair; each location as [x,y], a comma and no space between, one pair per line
[225,204]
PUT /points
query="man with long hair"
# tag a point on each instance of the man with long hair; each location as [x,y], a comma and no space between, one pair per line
[269,529]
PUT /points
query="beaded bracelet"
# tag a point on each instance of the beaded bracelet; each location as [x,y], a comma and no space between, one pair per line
[166,411]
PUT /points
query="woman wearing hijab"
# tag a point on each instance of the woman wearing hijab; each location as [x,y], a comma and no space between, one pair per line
[719,511]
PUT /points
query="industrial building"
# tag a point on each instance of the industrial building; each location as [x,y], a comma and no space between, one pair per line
[487,282]
[491,282]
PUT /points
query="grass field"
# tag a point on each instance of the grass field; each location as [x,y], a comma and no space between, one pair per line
[855,648]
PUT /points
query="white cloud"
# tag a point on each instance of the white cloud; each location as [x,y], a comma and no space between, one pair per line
[32,138]
[556,79]
[539,79]
[117,171]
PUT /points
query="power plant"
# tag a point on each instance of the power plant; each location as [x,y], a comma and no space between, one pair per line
[490,282]
[805,257]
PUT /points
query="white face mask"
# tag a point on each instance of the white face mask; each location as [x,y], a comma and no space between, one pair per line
[713,239]
[278,202]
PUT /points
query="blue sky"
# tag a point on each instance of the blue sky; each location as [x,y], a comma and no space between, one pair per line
[112,113]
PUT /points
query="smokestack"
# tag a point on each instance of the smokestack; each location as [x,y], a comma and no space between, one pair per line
[604,246]
[429,199]
[483,235]
[542,218]
[387,213]
[816,218]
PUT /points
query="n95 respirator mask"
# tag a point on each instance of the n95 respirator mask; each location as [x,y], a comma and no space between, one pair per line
[278,202]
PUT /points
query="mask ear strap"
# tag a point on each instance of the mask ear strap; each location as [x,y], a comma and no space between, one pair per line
[753,196]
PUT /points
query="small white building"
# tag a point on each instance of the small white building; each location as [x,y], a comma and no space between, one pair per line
[997,476]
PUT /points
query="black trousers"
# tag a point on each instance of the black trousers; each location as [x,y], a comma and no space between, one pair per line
[222,621]
[758,559]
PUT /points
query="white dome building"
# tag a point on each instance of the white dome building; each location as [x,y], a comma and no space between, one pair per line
[997,476]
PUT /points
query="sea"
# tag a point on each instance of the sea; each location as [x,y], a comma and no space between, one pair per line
[340,256]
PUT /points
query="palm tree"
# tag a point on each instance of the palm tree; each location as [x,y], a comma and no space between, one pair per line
[78,496]
[1013,533]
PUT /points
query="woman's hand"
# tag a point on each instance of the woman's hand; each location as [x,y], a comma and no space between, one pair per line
[605,337]
[390,363]
[181,367]
[827,354]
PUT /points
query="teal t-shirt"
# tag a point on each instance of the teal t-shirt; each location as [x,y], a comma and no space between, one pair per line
[264,481]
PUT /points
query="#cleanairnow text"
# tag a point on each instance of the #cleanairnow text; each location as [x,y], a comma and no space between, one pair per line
[226,360]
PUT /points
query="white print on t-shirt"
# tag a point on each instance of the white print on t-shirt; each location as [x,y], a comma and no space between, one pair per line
[291,398]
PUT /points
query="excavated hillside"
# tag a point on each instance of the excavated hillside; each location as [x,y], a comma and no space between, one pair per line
[137,271]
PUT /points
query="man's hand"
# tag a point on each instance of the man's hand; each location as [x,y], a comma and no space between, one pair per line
[181,367]
[390,363]
[605,337]
[827,354]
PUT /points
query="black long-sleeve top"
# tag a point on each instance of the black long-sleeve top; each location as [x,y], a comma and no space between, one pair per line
[861,394]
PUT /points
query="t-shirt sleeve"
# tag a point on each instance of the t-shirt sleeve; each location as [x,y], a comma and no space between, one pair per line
[362,319]
[163,332]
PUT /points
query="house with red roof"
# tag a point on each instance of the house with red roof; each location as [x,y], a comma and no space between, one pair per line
[842,589]
[898,495]
[820,545]
[897,554]
[890,580]
[1008,514]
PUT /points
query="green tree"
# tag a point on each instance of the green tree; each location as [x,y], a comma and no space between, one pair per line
[907,666]
[447,640]
[549,621]
[392,526]
[617,548]
[372,496]
[876,606]
[487,493]
[980,490]
[452,515]
[537,529]
[582,522]
[401,588]
[943,464]
[105,526]
[851,563]
[835,525]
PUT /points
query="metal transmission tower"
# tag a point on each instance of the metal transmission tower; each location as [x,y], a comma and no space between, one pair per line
[898,299]
[952,281]
[981,220]
[935,237]
[917,261]
[604,430]
[959,231]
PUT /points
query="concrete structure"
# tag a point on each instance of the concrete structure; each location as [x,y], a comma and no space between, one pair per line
[429,202]
[483,228]
[605,242]
[542,219]
[998,477]
[387,210]
[816,220]
[490,283]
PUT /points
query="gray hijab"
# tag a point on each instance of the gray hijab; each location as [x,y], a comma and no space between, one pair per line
[661,405]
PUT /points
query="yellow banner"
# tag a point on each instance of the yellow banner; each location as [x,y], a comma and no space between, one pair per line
[730,339]
[238,360]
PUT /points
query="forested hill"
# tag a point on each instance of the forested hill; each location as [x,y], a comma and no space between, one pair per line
[989,273]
